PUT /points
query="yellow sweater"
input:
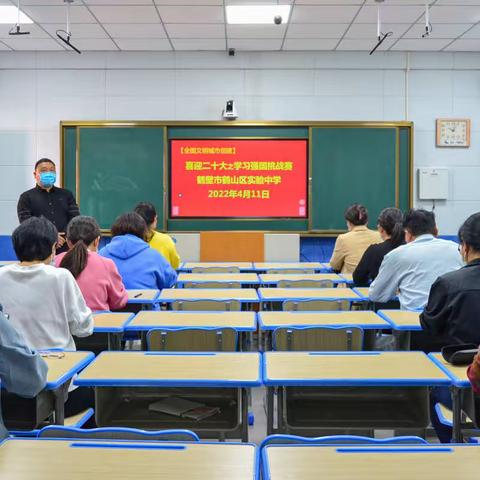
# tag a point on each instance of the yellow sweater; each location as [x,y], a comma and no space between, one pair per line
[166,246]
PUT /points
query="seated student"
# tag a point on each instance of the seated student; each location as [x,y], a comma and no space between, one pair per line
[390,227]
[411,269]
[44,303]
[139,265]
[97,276]
[452,314]
[22,371]
[350,246]
[161,242]
[473,374]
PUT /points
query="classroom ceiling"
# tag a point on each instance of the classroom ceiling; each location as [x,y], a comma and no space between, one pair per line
[174,25]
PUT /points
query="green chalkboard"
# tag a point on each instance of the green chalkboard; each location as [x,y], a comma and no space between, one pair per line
[119,167]
[352,165]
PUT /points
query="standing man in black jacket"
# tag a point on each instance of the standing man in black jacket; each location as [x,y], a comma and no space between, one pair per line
[45,200]
[452,314]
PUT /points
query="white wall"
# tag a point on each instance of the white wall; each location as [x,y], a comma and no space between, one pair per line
[37,90]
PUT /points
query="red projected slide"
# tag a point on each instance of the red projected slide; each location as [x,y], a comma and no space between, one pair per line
[238,178]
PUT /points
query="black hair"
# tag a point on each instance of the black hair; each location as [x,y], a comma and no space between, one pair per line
[130,223]
[81,232]
[44,160]
[34,239]
[391,220]
[147,211]
[469,233]
[356,214]
[419,222]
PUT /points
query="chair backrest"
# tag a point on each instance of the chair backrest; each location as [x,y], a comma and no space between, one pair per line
[215,270]
[316,305]
[207,305]
[305,284]
[340,440]
[213,285]
[59,431]
[285,271]
[206,339]
[343,338]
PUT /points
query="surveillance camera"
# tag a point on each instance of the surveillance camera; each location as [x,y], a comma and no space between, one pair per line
[230,111]
[277,20]
[231,52]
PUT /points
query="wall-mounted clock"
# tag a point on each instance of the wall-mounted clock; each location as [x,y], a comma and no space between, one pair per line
[453,132]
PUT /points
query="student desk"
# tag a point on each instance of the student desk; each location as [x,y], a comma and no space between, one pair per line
[462,395]
[243,322]
[34,411]
[264,266]
[242,266]
[326,267]
[126,383]
[269,296]
[113,324]
[402,322]
[44,459]
[366,320]
[242,278]
[274,278]
[147,298]
[370,462]
[243,295]
[345,390]
[348,277]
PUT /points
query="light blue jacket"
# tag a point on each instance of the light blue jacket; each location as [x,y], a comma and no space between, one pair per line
[411,269]
[22,371]
[139,265]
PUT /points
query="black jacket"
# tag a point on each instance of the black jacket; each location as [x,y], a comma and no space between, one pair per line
[453,308]
[369,265]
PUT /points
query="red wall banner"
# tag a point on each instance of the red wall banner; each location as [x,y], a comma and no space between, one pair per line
[238,178]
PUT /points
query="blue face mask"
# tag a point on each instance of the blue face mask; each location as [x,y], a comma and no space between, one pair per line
[47,179]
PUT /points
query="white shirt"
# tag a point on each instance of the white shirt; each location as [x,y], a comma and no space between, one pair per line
[411,270]
[45,305]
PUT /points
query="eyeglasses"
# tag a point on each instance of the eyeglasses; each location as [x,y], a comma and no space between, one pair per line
[52,354]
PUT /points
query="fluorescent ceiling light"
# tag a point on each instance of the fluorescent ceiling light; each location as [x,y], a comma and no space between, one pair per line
[256,14]
[9,14]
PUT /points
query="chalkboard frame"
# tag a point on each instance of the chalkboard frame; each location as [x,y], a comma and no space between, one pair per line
[404,135]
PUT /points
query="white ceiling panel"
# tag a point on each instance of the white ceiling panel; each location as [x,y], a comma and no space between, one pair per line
[312,44]
[323,14]
[99,44]
[35,31]
[189,2]
[191,30]
[363,44]
[50,14]
[458,14]
[317,30]
[472,33]
[191,14]
[256,31]
[457,2]
[126,14]
[115,2]
[422,44]
[32,44]
[143,43]
[439,30]
[37,2]
[198,44]
[135,30]
[79,30]
[4,47]
[369,30]
[470,45]
[390,13]
[257,44]
[329,2]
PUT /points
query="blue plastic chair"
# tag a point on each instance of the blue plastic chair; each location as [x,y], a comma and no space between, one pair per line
[59,431]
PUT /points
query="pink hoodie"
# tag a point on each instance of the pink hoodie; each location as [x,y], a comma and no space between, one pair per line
[100,283]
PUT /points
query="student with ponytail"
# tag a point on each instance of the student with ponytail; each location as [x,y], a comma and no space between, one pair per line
[97,276]
[390,227]
[350,246]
